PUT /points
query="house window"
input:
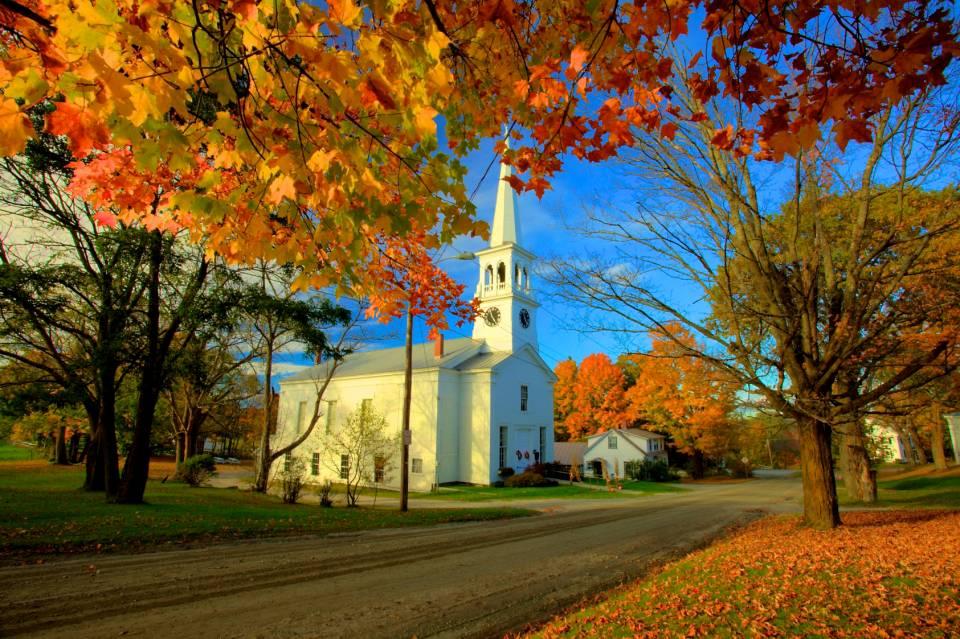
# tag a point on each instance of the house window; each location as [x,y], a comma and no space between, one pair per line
[523,397]
[328,416]
[379,468]
[503,446]
[301,416]
[315,464]
[612,442]
[366,406]
[287,462]
[417,465]
[543,443]
[344,466]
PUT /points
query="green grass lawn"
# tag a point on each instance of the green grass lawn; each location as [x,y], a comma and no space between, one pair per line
[42,510]
[9,452]
[490,493]
[914,492]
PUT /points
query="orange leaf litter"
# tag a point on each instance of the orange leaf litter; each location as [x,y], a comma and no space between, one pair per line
[883,574]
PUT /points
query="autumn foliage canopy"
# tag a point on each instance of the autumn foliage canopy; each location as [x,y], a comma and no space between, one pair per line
[308,134]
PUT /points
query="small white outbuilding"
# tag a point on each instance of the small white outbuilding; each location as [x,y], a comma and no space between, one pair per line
[622,446]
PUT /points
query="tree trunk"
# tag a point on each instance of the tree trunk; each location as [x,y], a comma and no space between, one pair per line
[133,483]
[937,443]
[919,454]
[820,506]
[74,449]
[697,469]
[860,483]
[60,449]
[178,457]
[192,436]
[264,460]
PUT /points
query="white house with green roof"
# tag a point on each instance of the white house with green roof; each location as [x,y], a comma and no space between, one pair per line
[478,404]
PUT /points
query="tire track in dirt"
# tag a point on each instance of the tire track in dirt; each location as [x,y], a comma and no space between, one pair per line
[46,612]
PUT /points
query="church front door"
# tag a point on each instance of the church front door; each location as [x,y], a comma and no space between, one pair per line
[526,447]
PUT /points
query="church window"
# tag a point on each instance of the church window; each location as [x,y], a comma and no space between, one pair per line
[543,443]
[328,416]
[516,275]
[612,442]
[503,446]
[524,395]
[488,276]
[301,416]
[416,465]
[526,280]
[287,462]
[501,275]
[379,468]
[366,406]
[344,466]
[315,464]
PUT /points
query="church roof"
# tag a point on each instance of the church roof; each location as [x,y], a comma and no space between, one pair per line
[483,361]
[391,360]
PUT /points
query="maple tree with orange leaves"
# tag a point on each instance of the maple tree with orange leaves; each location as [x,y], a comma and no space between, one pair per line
[329,112]
[683,395]
[592,397]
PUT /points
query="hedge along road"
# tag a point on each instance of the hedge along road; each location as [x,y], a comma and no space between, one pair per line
[458,580]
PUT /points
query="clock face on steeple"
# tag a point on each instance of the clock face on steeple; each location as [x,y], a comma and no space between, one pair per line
[492,316]
[524,318]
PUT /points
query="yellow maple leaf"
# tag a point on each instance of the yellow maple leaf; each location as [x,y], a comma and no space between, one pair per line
[15,127]
[344,11]
[281,187]
[424,121]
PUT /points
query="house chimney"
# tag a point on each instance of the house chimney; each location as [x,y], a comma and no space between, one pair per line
[438,346]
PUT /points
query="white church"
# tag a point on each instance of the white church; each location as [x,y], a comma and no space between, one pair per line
[478,404]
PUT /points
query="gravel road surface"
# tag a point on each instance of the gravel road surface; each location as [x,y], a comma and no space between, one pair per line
[457,580]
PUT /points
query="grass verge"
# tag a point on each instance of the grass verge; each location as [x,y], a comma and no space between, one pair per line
[10,452]
[43,511]
[491,493]
[882,574]
[935,490]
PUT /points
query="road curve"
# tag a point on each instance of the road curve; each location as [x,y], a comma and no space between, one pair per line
[458,580]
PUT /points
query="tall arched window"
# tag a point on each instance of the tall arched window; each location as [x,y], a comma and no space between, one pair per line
[501,275]
[488,276]
[526,279]
[516,275]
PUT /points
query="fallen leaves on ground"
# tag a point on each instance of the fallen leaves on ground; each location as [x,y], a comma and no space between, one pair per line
[882,574]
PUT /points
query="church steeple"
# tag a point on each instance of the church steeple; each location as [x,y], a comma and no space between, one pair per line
[505,229]
[507,319]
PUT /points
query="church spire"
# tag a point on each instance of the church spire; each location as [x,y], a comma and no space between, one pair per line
[505,228]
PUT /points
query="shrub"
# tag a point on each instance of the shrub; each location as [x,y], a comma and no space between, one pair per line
[196,470]
[324,492]
[649,471]
[528,479]
[291,481]
[539,469]
[505,472]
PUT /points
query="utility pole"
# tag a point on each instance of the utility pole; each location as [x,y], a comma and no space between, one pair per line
[407,388]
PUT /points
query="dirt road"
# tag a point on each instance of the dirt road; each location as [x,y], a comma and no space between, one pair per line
[461,580]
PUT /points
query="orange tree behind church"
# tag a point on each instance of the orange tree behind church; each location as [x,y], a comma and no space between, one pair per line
[330,111]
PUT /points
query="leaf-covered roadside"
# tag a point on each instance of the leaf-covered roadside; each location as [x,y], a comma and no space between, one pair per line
[883,574]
